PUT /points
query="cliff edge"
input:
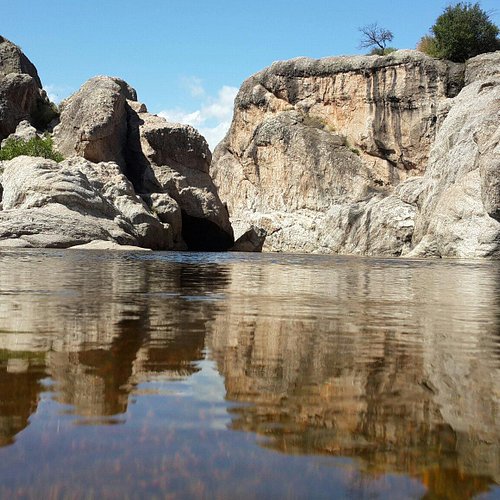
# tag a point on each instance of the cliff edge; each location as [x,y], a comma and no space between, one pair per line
[336,155]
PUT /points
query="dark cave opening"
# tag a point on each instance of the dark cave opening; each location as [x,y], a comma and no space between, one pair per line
[202,235]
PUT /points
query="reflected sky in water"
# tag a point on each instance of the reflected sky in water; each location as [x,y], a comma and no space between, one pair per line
[250,376]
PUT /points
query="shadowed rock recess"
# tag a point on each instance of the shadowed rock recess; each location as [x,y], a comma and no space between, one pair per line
[129,177]
[394,155]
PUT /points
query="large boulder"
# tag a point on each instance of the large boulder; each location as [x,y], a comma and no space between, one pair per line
[316,146]
[93,121]
[19,95]
[48,204]
[12,60]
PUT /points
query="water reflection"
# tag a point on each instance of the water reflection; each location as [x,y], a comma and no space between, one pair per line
[97,328]
[395,364]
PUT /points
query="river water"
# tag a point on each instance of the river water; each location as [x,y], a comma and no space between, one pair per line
[184,375]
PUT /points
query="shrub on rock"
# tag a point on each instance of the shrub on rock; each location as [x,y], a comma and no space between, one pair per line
[37,146]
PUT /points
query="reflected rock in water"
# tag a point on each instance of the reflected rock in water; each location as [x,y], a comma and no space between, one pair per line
[368,366]
[21,376]
[98,327]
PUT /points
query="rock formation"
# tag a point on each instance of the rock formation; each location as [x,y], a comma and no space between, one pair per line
[459,195]
[130,177]
[21,94]
[350,154]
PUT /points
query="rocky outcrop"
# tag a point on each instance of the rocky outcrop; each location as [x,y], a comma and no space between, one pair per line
[21,94]
[131,177]
[46,204]
[361,155]
[169,165]
[459,200]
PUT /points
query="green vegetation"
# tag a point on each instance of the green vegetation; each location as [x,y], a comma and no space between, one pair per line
[377,51]
[428,46]
[376,38]
[34,147]
[462,31]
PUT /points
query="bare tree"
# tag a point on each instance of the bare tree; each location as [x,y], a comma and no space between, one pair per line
[374,36]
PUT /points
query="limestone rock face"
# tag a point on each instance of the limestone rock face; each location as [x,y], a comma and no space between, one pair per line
[460,202]
[316,145]
[46,204]
[367,155]
[93,122]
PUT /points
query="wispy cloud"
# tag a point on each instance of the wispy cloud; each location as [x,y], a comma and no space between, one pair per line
[214,115]
[194,85]
[56,93]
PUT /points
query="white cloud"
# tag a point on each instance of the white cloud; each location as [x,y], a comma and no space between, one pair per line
[194,85]
[213,117]
[57,93]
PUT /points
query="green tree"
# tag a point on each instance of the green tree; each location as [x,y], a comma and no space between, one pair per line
[462,31]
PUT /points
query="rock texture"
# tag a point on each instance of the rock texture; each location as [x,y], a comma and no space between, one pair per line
[167,163]
[21,94]
[24,131]
[130,178]
[351,155]
[459,202]
[46,204]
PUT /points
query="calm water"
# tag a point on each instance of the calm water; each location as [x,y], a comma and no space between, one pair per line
[247,376]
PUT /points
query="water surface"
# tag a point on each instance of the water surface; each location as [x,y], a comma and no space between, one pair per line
[247,376]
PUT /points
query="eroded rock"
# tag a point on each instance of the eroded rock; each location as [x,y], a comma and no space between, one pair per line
[93,121]
[74,202]
[21,94]
[173,159]
[367,155]
[460,201]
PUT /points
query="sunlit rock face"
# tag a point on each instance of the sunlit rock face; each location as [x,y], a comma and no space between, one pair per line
[459,198]
[164,197]
[315,146]
[367,155]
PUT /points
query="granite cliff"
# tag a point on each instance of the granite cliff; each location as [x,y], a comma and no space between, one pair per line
[368,155]
[129,177]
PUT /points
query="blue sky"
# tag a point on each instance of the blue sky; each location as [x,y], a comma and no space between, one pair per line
[186,59]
